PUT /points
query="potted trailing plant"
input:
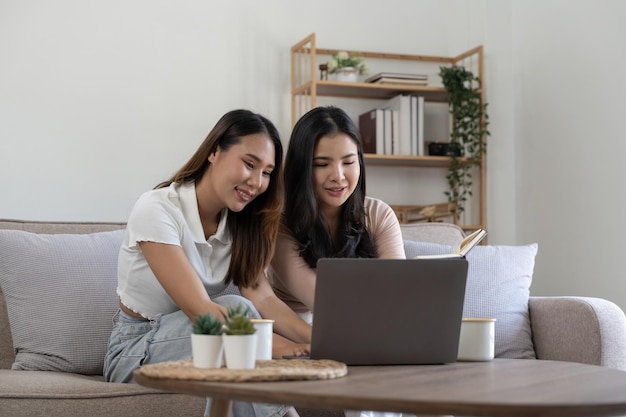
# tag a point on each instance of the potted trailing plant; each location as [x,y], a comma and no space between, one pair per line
[240,339]
[346,67]
[206,341]
[469,132]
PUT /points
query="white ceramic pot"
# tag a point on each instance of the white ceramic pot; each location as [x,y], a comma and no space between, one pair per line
[347,74]
[240,351]
[207,350]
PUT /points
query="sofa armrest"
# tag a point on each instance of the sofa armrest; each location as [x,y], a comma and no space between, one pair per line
[433,232]
[579,329]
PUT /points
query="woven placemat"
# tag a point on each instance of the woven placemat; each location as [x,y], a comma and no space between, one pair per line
[274,370]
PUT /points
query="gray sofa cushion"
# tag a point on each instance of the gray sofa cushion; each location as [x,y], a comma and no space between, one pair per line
[60,296]
[61,394]
[498,286]
[6,340]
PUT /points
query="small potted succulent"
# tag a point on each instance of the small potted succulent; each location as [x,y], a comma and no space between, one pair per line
[240,339]
[207,345]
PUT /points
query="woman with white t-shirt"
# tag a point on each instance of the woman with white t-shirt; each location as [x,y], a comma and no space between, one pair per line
[212,224]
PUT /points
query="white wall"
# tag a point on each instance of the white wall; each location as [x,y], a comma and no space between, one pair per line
[569,143]
[102,100]
[99,101]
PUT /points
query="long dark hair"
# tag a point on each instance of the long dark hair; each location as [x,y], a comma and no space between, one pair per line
[254,229]
[302,217]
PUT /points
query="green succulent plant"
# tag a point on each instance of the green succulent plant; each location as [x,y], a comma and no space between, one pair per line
[238,322]
[206,324]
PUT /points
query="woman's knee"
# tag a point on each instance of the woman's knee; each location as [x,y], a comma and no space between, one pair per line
[232,300]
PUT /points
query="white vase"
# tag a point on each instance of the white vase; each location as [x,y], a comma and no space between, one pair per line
[240,351]
[347,74]
[207,350]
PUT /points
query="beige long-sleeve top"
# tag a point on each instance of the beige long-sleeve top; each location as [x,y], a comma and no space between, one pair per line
[294,281]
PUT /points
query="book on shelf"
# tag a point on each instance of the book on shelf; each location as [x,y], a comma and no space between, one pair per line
[386,80]
[462,249]
[409,129]
[395,132]
[396,76]
[417,126]
[372,130]
[414,123]
[402,105]
[387,137]
[395,129]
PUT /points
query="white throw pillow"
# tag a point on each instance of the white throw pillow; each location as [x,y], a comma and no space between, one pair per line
[60,296]
[498,286]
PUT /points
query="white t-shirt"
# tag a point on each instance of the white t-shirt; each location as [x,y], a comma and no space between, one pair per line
[169,215]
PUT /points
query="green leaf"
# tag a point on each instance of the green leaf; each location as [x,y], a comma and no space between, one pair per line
[206,324]
[238,322]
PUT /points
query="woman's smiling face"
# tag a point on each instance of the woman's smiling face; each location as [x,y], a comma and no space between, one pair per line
[336,170]
[242,172]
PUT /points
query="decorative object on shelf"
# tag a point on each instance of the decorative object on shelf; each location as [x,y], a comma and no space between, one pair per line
[345,67]
[443,149]
[437,212]
[469,131]
[323,72]
[240,339]
[429,213]
[206,342]
[347,75]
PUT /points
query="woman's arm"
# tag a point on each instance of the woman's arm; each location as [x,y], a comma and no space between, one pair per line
[284,347]
[286,322]
[385,230]
[176,275]
[290,273]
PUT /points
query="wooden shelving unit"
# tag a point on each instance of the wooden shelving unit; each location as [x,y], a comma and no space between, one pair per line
[306,87]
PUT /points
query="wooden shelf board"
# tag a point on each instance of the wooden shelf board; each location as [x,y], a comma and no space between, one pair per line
[372,91]
[387,55]
[408,161]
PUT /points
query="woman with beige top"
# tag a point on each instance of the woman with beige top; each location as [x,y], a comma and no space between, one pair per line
[327,213]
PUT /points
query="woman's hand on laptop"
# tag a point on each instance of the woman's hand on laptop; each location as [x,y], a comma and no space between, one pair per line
[283,347]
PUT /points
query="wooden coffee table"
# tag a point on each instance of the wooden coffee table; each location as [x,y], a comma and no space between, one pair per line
[502,387]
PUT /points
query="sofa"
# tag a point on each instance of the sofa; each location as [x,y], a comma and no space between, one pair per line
[57,293]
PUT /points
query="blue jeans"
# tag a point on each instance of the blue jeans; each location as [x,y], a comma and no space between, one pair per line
[135,342]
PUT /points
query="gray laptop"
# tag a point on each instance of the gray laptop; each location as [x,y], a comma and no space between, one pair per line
[388,311]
